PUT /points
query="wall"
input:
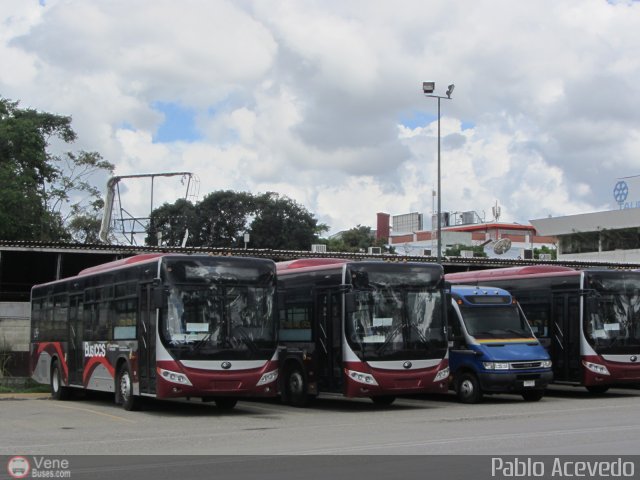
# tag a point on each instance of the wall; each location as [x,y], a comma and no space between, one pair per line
[14,325]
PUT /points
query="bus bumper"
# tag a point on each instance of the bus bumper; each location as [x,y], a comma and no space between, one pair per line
[515,382]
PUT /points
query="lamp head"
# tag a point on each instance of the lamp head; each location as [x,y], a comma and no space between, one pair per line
[450,90]
[428,87]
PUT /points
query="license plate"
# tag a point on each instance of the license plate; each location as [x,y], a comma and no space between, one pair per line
[529,383]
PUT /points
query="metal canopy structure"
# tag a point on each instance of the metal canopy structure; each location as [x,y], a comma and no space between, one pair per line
[125,224]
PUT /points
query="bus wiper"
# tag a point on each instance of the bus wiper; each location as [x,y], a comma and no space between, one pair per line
[200,343]
[245,338]
[521,333]
[390,337]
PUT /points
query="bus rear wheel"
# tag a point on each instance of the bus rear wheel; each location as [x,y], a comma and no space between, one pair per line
[124,390]
[296,388]
[58,392]
[532,395]
[226,403]
[468,389]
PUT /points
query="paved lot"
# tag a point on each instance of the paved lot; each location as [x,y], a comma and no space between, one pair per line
[566,421]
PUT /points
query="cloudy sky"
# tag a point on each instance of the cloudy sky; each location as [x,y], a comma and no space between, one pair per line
[322,100]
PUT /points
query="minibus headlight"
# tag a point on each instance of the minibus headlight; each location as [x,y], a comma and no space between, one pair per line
[546,364]
[495,365]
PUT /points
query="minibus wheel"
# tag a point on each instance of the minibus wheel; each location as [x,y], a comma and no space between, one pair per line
[468,388]
[532,395]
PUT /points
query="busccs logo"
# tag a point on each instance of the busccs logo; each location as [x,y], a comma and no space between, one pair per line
[18,467]
[226,365]
[633,358]
[407,364]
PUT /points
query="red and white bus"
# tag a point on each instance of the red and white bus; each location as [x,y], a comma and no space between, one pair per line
[157,325]
[589,320]
[361,329]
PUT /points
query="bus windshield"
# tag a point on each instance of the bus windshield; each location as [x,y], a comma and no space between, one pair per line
[612,320]
[214,309]
[395,317]
[486,322]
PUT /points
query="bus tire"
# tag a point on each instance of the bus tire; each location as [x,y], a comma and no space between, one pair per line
[296,387]
[58,392]
[597,389]
[383,400]
[468,388]
[124,389]
[532,395]
[226,403]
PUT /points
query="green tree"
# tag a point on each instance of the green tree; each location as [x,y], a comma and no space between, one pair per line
[282,224]
[40,192]
[546,250]
[357,239]
[222,218]
[173,221]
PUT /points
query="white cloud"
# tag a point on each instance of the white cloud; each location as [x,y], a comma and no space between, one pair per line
[305,98]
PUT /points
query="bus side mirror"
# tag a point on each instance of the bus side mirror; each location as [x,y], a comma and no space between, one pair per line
[349,302]
[280,299]
[159,296]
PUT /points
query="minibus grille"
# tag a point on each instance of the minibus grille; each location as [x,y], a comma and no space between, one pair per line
[525,365]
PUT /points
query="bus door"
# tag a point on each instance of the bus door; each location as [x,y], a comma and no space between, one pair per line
[565,337]
[75,356]
[328,339]
[146,340]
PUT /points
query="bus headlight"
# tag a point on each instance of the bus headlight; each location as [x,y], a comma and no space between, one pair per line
[362,377]
[495,365]
[441,375]
[174,377]
[268,377]
[596,368]
[546,364]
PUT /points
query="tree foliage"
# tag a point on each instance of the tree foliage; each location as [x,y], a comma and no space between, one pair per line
[357,239]
[44,196]
[223,217]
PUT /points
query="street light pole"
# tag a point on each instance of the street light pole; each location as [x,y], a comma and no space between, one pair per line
[428,88]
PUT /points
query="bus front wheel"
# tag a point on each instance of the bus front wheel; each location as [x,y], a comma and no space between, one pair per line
[296,387]
[383,400]
[468,389]
[124,392]
[58,392]
[226,403]
[597,389]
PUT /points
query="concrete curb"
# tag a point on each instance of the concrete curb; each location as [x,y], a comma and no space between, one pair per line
[18,396]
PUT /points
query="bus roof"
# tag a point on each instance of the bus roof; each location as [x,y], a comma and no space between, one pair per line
[511,272]
[310,263]
[121,263]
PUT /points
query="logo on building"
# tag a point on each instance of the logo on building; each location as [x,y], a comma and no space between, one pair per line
[621,192]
